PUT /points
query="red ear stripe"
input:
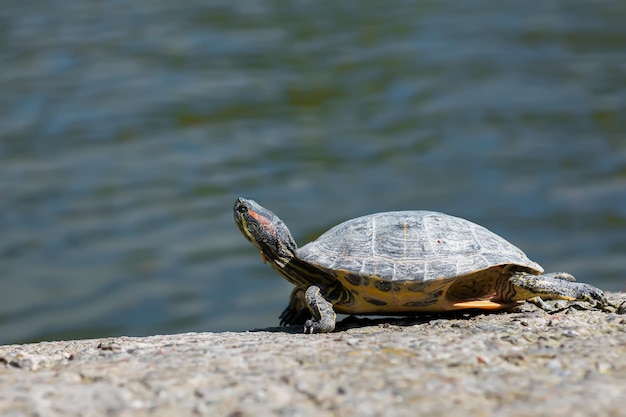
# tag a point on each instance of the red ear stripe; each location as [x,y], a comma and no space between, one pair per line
[263,221]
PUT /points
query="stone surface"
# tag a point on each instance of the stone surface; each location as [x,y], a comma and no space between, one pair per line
[568,363]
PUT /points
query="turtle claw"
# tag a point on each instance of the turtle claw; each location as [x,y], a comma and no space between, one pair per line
[309,327]
[617,308]
[287,317]
[314,326]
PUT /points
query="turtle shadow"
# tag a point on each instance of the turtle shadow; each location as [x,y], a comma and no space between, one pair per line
[353,322]
[617,302]
[356,321]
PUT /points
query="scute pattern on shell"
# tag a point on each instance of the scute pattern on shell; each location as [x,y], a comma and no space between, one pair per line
[412,246]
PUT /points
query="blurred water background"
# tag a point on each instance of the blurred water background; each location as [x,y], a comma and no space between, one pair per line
[127,130]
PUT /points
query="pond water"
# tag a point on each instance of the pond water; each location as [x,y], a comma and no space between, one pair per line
[127,130]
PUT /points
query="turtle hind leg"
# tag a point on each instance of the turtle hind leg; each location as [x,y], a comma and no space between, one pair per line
[558,285]
[324,316]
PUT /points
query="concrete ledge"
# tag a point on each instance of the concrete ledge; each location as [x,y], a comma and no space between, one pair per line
[571,363]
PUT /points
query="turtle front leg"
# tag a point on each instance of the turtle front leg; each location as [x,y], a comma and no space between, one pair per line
[296,312]
[324,316]
[556,285]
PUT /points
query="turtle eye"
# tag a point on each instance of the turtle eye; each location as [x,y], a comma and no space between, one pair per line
[242,209]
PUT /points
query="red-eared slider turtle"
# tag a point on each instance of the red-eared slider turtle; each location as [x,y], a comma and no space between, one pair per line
[399,263]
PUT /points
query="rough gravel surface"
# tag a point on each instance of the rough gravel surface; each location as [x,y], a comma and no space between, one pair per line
[567,363]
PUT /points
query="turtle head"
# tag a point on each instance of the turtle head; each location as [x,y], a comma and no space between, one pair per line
[265,231]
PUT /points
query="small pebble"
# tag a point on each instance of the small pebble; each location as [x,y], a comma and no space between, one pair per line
[352,342]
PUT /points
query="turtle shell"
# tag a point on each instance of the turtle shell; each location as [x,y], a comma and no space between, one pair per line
[405,260]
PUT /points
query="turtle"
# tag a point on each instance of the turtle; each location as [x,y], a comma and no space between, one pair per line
[401,263]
